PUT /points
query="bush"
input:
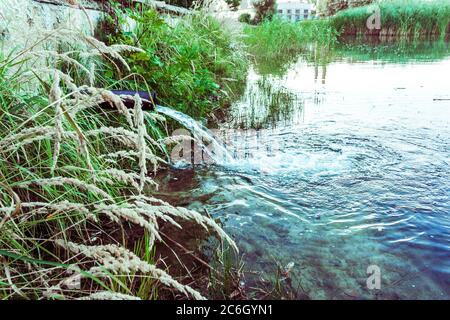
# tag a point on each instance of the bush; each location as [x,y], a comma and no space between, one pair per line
[233,4]
[245,18]
[194,65]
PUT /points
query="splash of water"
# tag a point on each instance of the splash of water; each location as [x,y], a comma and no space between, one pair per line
[206,139]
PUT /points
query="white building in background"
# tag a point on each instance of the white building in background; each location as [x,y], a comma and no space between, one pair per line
[295,10]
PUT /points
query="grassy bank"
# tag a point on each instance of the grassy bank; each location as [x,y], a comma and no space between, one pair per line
[78,216]
[276,43]
[398,18]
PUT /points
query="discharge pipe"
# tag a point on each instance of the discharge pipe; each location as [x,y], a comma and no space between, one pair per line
[148,99]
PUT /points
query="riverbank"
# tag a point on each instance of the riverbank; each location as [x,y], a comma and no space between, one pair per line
[396,18]
[76,179]
[278,39]
[84,213]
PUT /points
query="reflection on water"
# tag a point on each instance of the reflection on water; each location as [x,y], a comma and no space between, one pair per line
[360,175]
[265,102]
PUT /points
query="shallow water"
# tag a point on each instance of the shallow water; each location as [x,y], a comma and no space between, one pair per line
[349,167]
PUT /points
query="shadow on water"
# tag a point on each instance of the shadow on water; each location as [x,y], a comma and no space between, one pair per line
[344,164]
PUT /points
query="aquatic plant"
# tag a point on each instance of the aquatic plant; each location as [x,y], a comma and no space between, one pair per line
[279,39]
[267,104]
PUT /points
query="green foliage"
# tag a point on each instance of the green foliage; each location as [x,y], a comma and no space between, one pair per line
[233,4]
[193,65]
[226,274]
[181,3]
[245,18]
[67,165]
[330,7]
[276,42]
[279,39]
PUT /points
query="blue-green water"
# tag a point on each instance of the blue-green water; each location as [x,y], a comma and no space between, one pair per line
[349,167]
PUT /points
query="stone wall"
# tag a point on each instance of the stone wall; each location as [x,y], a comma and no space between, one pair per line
[22,21]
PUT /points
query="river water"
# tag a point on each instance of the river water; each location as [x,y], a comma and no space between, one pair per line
[342,163]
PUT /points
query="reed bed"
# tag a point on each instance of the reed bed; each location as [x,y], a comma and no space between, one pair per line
[279,39]
[398,18]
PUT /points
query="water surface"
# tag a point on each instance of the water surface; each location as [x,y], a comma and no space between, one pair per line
[343,163]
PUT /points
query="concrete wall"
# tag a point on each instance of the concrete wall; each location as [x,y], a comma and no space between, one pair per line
[23,21]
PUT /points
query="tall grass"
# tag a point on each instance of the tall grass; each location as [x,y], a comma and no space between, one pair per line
[71,175]
[275,44]
[278,38]
[402,17]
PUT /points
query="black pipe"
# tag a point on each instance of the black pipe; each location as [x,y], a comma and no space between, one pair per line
[148,99]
